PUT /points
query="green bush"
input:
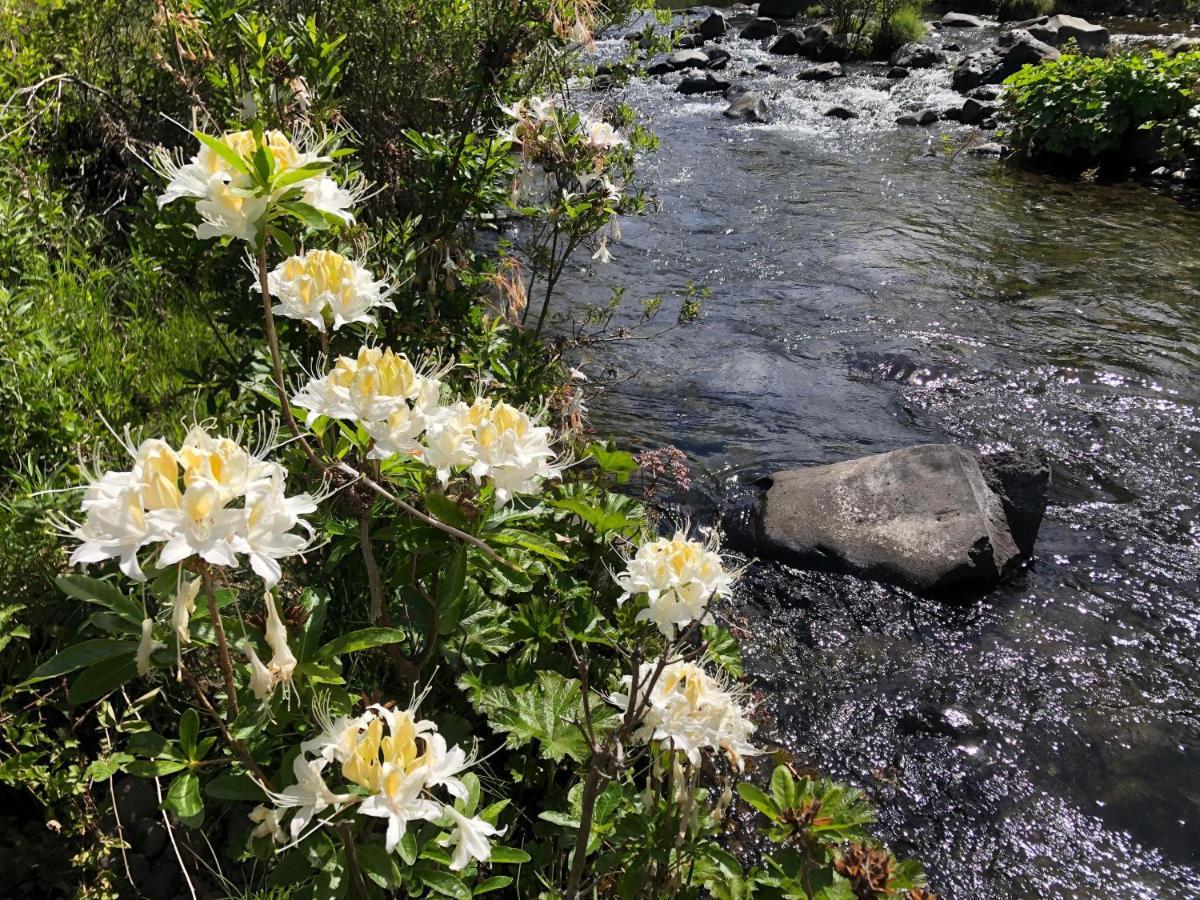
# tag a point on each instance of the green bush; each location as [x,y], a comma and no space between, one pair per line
[902,26]
[1018,10]
[1090,110]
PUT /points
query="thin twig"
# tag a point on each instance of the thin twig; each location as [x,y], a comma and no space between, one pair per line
[222,643]
[174,846]
[239,748]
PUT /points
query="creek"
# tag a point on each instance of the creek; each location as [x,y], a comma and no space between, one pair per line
[871,289]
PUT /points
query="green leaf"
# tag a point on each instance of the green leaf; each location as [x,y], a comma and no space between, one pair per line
[93,590]
[305,214]
[547,712]
[723,649]
[316,605]
[555,817]
[286,244]
[234,787]
[154,768]
[183,799]
[618,463]
[363,639]
[223,150]
[442,882]
[451,581]
[495,883]
[757,798]
[80,656]
[189,732]
[783,788]
[379,865]
[300,173]
[446,510]
[529,541]
[501,854]
[407,848]
[102,678]
[104,768]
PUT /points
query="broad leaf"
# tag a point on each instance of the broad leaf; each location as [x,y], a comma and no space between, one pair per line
[80,656]
[363,639]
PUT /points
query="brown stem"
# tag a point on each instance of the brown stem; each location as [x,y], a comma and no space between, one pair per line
[239,748]
[379,489]
[591,789]
[222,644]
[360,885]
[408,671]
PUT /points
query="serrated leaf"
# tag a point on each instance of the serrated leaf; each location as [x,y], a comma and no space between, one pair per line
[547,712]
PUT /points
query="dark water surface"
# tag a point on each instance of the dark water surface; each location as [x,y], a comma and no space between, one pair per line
[870,292]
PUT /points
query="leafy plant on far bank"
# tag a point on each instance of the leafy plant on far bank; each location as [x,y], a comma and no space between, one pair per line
[1098,109]
[877,27]
[1018,10]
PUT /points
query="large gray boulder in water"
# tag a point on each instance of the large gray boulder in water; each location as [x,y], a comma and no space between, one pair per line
[1058,30]
[1013,51]
[930,517]
[749,106]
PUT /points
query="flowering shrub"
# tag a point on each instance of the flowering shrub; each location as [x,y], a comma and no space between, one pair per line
[412,527]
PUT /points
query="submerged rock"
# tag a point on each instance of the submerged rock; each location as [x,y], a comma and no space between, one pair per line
[702,84]
[897,72]
[762,27]
[822,72]
[975,111]
[930,517]
[921,117]
[749,106]
[961,20]
[718,58]
[841,112]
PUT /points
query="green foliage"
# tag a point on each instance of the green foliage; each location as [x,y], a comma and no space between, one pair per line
[1018,10]
[901,26]
[1089,109]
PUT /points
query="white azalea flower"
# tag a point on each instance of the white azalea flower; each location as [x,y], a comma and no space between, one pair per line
[338,736]
[267,823]
[399,801]
[469,839]
[223,194]
[680,578]
[182,608]
[309,796]
[322,286]
[510,449]
[211,498]
[262,682]
[366,388]
[602,255]
[283,661]
[691,711]
[601,136]
[146,647]
[449,441]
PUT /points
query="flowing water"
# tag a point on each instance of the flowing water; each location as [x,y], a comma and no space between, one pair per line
[870,291]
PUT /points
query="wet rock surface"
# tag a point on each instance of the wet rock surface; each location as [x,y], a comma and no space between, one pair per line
[926,517]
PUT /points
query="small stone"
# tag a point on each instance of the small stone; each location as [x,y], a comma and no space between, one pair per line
[702,84]
[989,149]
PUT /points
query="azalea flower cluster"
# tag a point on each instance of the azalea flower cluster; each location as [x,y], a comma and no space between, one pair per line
[219,179]
[394,764]
[326,289]
[680,578]
[536,120]
[209,498]
[691,711]
[399,405]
